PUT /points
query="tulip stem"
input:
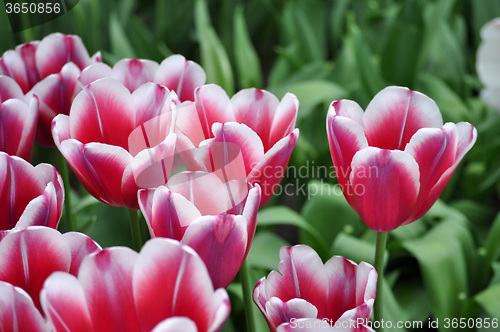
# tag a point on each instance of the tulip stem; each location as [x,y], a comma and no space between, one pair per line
[246,286]
[135,229]
[68,214]
[379,266]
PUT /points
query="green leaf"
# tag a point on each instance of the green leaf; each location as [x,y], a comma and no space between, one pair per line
[247,60]
[355,249]
[214,58]
[120,44]
[264,252]
[489,299]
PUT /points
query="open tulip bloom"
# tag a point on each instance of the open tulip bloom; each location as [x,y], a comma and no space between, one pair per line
[49,69]
[29,195]
[307,295]
[215,218]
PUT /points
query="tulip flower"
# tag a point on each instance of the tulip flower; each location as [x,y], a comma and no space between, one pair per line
[175,72]
[30,255]
[394,160]
[118,142]
[165,287]
[325,295]
[30,196]
[49,69]
[254,120]
[215,218]
[17,311]
[488,63]
[18,119]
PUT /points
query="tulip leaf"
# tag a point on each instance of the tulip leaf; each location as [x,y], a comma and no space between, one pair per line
[489,299]
[445,257]
[264,252]
[120,44]
[214,58]
[356,249]
[247,60]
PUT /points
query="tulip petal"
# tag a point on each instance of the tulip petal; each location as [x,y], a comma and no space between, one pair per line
[80,246]
[181,75]
[176,324]
[488,55]
[256,108]
[187,121]
[106,279]
[63,301]
[319,325]
[134,72]
[18,127]
[27,52]
[347,109]
[385,186]
[282,312]
[9,89]
[12,65]
[250,210]
[395,114]
[213,105]
[42,210]
[284,119]
[169,280]
[94,72]
[270,169]
[221,242]
[17,311]
[345,137]
[55,50]
[350,286]
[29,256]
[167,214]
[103,112]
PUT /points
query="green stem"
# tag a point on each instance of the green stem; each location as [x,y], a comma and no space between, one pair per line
[135,229]
[246,286]
[379,266]
[68,215]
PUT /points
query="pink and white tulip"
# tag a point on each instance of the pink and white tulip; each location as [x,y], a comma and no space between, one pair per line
[305,291]
[118,142]
[30,195]
[254,120]
[165,287]
[217,219]
[30,255]
[175,72]
[394,160]
[18,119]
[49,69]
[488,63]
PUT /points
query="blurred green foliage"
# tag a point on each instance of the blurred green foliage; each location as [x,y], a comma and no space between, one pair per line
[444,265]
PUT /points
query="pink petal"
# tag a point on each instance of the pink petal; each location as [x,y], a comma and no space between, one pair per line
[347,109]
[94,72]
[134,72]
[385,185]
[29,256]
[242,136]
[17,311]
[103,112]
[284,119]
[319,325]
[395,114]
[55,50]
[188,123]
[205,190]
[18,127]
[282,312]
[167,214]
[221,242]
[213,105]
[250,210]
[170,280]
[9,89]
[176,324]
[55,93]
[106,279]
[42,210]
[466,137]
[256,108]
[63,301]
[350,286]
[181,75]
[345,137]
[269,171]
[80,246]
[27,53]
